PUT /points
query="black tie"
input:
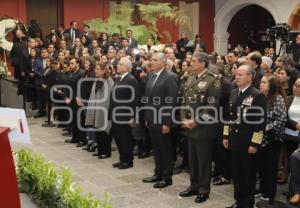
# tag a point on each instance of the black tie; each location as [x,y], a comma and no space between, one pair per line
[118,78]
[240,94]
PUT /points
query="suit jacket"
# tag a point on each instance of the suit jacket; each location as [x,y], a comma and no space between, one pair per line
[73,51]
[124,97]
[68,32]
[25,61]
[241,133]
[259,74]
[50,78]
[133,43]
[162,95]
[73,83]
[16,53]
[37,68]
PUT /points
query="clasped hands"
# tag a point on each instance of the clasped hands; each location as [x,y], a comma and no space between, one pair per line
[189,123]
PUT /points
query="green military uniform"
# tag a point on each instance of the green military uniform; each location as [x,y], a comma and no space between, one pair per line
[227,71]
[200,92]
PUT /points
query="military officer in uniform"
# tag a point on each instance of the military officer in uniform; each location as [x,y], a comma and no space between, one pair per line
[243,135]
[198,115]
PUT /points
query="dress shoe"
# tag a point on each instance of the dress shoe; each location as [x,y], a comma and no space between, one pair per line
[163,183]
[67,134]
[115,165]
[177,170]
[71,141]
[92,148]
[81,144]
[85,147]
[235,205]
[125,166]
[103,156]
[96,154]
[187,193]
[151,179]
[295,199]
[201,198]
[143,155]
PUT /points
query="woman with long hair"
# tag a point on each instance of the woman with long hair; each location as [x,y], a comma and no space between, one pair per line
[97,116]
[268,155]
[104,42]
[287,77]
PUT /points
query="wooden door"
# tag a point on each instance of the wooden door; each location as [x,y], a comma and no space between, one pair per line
[47,13]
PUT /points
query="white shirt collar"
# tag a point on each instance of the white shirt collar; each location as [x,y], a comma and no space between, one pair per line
[123,75]
[245,88]
[159,72]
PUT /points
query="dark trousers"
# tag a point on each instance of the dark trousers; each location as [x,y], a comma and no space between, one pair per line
[221,156]
[175,135]
[124,141]
[103,143]
[200,159]
[265,170]
[243,173]
[40,99]
[163,152]
[276,147]
[78,134]
[295,170]
[183,149]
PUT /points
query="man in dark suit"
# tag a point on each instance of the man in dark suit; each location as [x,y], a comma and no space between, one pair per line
[254,60]
[243,135]
[133,43]
[25,58]
[72,32]
[77,50]
[87,33]
[53,54]
[16,52]
[161,93]
[71,99]
[92,48]
[201,90]
[124,100]
[126,47]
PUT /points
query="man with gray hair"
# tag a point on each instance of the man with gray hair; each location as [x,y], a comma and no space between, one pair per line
[243,134]
[161,92]
[124,100]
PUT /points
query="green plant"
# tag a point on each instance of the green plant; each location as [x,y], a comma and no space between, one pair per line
[3,68]
[141,19]
[50,188]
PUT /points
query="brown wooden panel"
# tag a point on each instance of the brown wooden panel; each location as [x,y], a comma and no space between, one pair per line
[46,12]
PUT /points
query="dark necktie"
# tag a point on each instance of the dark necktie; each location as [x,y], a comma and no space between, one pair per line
[118,79]
[153,80]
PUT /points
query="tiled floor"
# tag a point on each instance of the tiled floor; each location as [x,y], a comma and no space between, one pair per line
[123,186]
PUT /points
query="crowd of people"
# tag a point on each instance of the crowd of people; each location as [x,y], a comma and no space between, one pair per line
[220,118]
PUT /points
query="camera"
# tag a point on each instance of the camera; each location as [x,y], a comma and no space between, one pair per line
[280,32]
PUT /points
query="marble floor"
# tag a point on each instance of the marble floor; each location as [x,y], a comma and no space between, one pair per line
[125,187]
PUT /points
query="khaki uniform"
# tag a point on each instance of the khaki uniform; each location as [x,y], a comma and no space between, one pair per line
[199,93]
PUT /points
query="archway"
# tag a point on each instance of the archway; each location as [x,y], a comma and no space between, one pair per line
[226,13]
[248,27]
